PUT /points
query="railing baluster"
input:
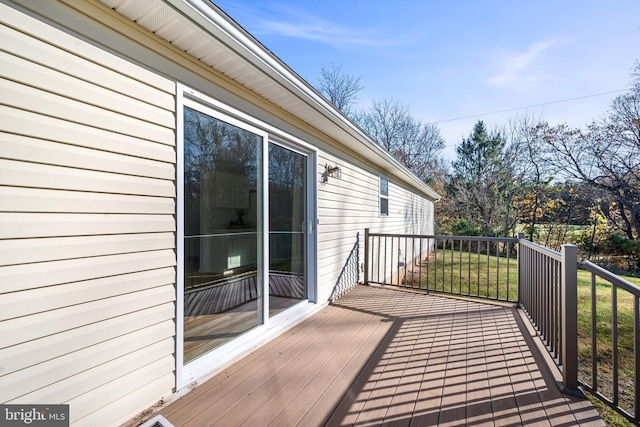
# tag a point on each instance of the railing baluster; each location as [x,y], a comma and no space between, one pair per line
[532,302]
[532,260]
[636,351]
[383,251]
[469,267]
[451,269]
[413,258]
[546,280]
[488,264]
[420,264]
[366,256]
[539,302]
[594,341]
[391,265]
[548,297]
[429,254]
[379,258]
[614,341]
[546,293]
[443,256]
[460,266]
[521,273]
[478,279]
[520,253]
[508,272]
[436,266]
[403,260]
[497,271]
[555,306]
[408,263]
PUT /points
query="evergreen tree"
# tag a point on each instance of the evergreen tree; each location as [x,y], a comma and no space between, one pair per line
[480,186]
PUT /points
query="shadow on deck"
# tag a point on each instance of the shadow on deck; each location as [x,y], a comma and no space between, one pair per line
[385,357]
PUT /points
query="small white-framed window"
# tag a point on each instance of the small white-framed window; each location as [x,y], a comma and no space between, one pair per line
[384,196]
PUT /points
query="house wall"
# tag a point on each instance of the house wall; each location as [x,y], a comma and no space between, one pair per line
[87,203]
[87,206]
[349,204]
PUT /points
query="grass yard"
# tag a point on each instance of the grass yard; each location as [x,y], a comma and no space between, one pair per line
[470,273]
[473,274]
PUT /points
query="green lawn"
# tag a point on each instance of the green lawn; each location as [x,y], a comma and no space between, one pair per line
[470,273]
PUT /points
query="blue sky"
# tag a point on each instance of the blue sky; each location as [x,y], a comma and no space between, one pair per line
[455,58]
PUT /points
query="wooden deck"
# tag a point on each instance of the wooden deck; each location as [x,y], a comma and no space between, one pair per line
[385,357]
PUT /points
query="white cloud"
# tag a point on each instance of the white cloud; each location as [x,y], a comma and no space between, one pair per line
[521,67]
[293,22]
[323,32]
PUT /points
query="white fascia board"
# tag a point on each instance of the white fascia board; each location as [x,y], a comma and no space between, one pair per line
[211,19]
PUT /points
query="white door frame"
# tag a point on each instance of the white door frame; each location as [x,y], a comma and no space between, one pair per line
[271,327]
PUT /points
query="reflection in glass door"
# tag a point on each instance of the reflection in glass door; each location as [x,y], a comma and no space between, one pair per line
[222,232]
[237,249]
[288,213]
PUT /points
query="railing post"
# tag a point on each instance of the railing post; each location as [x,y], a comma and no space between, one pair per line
[366,256]
[569,320]
[519,272]
[357,257]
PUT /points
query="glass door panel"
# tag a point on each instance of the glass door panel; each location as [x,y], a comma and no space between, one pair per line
[288,214]
[222,232]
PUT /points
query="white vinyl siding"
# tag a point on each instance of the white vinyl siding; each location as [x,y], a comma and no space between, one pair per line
[87,228]
[348,205]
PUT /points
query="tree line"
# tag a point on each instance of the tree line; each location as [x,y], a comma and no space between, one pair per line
[557,184]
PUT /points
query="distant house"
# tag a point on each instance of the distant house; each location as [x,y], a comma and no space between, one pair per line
[171,195]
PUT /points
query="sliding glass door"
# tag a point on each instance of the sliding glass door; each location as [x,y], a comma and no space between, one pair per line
[222,232]
[288,223]
[245,230]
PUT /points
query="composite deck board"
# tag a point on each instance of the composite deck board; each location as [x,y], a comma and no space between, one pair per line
[329,381]
[384,357]
[295,382]
[288,344]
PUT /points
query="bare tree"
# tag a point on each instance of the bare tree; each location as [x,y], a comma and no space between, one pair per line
[339,88]
[530,168]
[607,157]
[415,144]
[385,121]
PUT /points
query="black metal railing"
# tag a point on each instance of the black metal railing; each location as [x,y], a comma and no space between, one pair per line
[483,267]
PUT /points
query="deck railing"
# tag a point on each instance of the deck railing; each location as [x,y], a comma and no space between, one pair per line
[543,283]
[460,265]
[618,396]
[547,293]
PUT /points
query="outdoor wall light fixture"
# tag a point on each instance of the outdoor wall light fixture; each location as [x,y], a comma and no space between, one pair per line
[330,171]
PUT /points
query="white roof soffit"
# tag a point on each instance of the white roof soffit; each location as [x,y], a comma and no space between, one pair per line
[202,30]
